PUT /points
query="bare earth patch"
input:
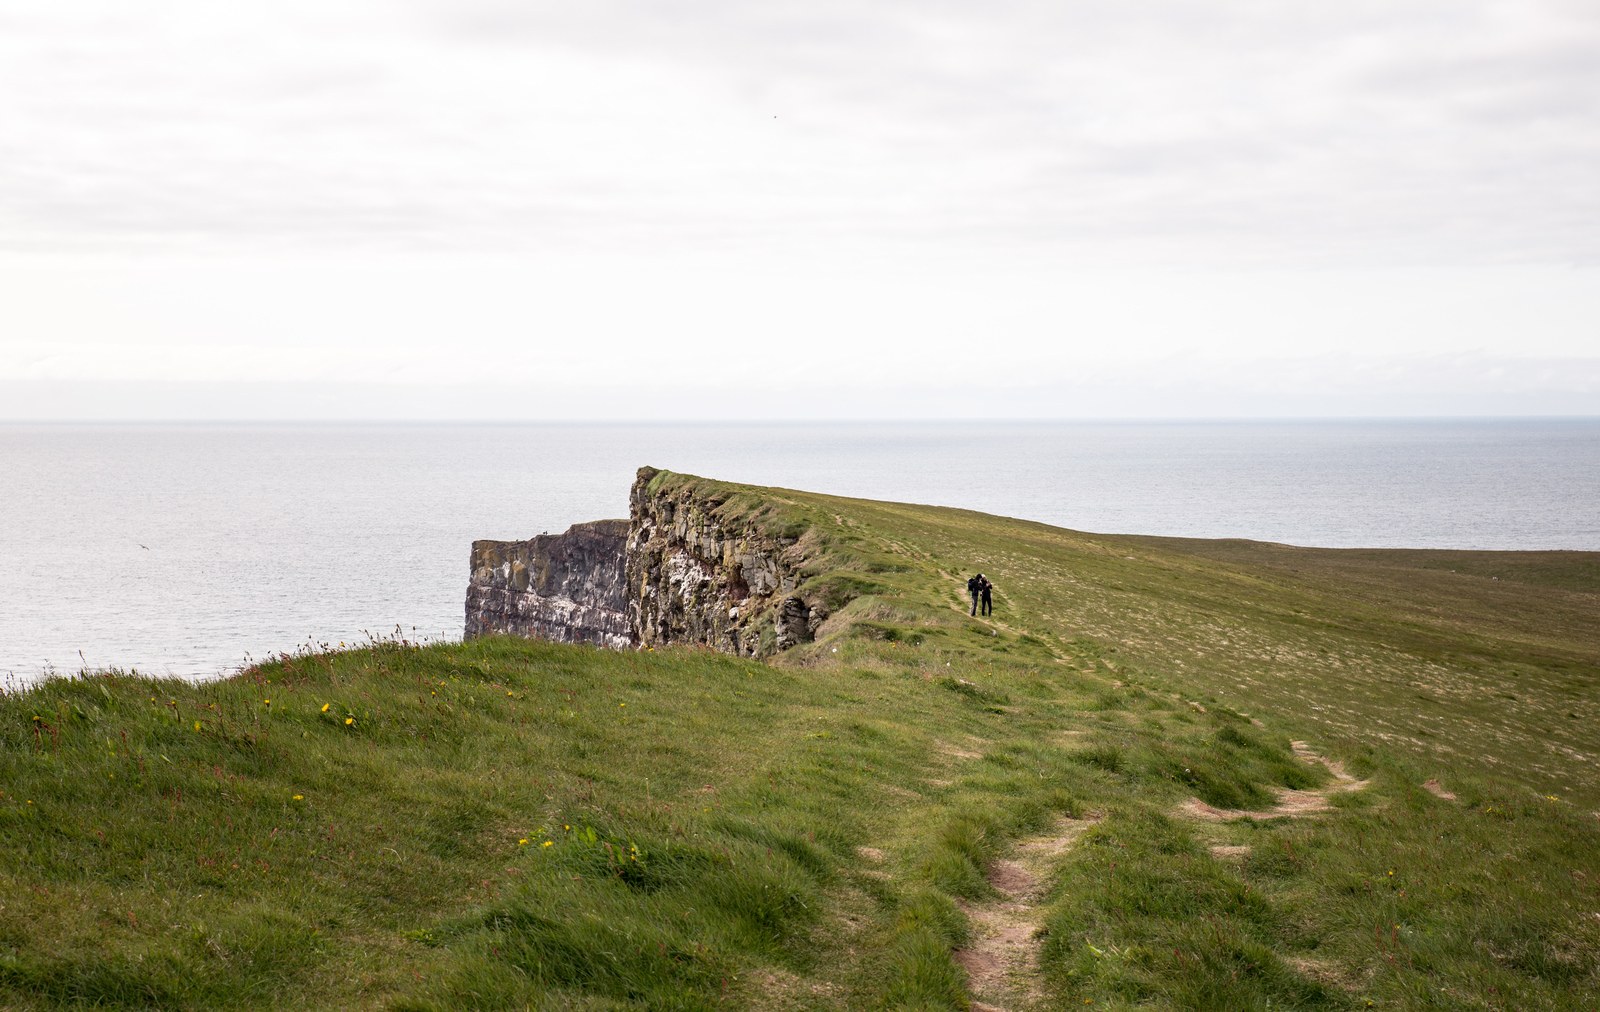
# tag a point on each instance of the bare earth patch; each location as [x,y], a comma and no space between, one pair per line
[1291,803]
[787,990]
[1435,788]
[1228,851]
[1325,972]
[956,751]
[1002,960]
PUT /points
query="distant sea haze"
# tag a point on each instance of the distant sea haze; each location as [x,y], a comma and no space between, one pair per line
[188,549]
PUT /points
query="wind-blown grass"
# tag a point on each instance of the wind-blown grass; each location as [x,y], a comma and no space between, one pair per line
[505,823]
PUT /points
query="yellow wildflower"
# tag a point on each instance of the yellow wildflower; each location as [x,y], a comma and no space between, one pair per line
[348,721]
[197,725]
[548,843]
[299,797]
[522,842]
[325,707]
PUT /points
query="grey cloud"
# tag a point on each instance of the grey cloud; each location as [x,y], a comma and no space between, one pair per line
[1368,132]
[1390,150]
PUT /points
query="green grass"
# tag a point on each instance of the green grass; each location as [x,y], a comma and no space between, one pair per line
[703,831]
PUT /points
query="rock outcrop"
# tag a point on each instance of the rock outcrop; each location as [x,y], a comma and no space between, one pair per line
[681,569]
[569,587]
[697,576]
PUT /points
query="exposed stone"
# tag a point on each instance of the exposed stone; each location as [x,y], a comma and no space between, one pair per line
[793,622]
[678,571]
[697,576]
[569,587]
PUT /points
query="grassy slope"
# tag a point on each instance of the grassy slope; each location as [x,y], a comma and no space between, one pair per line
[707,831]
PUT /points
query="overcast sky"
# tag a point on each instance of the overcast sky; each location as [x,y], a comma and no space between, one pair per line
[490,209]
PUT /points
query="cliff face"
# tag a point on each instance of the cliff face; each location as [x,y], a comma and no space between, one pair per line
[569,587]
[696,575]
[680,570]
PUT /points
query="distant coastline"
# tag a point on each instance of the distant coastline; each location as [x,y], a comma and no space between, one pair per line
[260,538]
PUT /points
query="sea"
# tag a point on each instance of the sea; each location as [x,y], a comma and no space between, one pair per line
[190,550]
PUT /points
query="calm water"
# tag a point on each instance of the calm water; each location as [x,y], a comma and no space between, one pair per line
[186,549]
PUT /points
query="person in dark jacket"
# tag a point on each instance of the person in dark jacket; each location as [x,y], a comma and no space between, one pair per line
[988,603]
[975,590]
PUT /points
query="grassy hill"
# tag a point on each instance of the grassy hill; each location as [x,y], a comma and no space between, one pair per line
[1165,774]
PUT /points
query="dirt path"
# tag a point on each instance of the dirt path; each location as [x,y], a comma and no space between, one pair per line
[1002,959]
[1291,802]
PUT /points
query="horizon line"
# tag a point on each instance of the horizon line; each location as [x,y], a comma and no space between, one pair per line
[800,420]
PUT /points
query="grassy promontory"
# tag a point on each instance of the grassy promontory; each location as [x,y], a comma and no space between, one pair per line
[1044,809]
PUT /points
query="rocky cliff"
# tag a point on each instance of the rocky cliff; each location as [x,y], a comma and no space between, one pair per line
[564,587]
[699,573]
[684,568]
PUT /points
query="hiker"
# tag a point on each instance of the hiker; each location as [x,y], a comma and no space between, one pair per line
[974,589]
[988,603]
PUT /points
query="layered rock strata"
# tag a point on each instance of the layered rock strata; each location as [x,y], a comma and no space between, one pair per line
[680,570]
[697,576]
[570,588]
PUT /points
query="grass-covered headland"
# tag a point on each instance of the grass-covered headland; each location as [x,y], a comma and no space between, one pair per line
[919,810]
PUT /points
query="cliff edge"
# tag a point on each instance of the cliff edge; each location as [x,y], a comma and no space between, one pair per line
[569,588]
[693,564]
